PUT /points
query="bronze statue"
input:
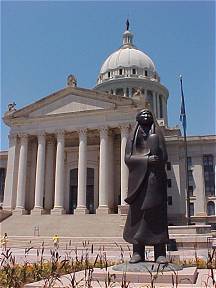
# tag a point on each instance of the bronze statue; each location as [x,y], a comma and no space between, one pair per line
[146,156]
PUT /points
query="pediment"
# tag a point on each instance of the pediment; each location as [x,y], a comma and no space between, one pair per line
[70,103]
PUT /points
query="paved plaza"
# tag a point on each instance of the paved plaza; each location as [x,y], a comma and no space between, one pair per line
[67,250]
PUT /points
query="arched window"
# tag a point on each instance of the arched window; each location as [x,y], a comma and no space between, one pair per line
[133,71]
[210,208]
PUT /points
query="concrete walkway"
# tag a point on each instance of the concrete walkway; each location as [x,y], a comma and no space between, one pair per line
[203,280]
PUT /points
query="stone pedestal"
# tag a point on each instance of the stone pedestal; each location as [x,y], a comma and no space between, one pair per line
[20,211]
[184,276]
[81,211]
[57,211]
[38,211]
[103,210]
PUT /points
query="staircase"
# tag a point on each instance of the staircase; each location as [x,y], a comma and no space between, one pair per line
[79,230]
[91,225]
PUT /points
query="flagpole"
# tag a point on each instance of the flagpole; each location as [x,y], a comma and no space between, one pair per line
[183,119]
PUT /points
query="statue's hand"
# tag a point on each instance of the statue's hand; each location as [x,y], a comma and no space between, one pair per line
[153,159]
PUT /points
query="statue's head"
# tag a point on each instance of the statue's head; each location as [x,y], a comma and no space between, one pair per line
[145,118]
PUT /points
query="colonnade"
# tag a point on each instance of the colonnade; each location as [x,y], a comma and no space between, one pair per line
[153,97]
[15,184]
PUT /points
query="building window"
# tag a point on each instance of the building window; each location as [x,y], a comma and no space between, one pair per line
[209,175]
[191,209]
[108,74]
[161,106]
[190,176]
[190,191]
[2,183]
[169,200]
[146,73]
[120,71]
[168,166]
[210,208]
[133,71]
[127,92]
[120,91]
[169,183]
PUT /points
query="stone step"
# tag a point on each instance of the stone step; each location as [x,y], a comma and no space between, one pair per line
[97,229]
[64,225]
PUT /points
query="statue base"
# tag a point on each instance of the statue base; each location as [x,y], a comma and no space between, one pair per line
[147,266]
[184,276]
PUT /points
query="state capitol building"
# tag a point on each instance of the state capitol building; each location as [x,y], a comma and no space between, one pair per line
[66,151]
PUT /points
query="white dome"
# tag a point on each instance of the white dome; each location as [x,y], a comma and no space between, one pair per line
[128,57]
[128,62]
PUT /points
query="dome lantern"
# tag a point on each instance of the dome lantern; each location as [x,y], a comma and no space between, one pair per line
[127,37]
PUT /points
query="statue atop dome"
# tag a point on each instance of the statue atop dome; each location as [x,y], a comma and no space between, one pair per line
[127,25]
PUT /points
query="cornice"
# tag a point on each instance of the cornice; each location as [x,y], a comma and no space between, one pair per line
[86,93]
[68,115]
[146,82]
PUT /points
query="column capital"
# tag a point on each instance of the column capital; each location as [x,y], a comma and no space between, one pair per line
[82,132]
[60,133]
[41,136]
[103,131]
[23,137]
[124,127]
[12,137]
[41,133]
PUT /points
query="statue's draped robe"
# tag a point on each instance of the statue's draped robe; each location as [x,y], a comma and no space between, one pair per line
[147,189]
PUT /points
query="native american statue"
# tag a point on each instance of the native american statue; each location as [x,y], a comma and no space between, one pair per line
[145,157]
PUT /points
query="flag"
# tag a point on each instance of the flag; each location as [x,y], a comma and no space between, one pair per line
[182,111]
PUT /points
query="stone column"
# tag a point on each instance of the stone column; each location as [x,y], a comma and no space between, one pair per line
[40,174]
[22,171]
[82,173]
[11,175]
[59,176]
[103,173]
[158,106]
[154,104]
[49,174]
[200,207]
[122,209]
[111,172]
[125,92]
[165,111]
[164,105]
